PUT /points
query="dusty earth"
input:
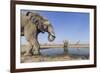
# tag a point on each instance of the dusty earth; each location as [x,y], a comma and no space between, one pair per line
[40,58]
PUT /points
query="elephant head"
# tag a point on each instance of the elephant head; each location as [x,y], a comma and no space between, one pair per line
[42,24]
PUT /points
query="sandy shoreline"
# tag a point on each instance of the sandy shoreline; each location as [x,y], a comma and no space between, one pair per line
[28,59]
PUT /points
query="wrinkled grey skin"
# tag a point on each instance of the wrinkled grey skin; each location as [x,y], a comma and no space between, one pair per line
[31,25]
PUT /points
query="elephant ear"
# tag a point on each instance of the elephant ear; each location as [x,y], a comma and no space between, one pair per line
[36,19]
[33,18]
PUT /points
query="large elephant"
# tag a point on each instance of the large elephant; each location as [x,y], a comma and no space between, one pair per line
[31,25]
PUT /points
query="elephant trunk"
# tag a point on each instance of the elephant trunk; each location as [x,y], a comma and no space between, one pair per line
[51,34]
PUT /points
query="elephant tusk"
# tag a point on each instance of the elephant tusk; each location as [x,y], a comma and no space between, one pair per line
[51,37]
[53,34]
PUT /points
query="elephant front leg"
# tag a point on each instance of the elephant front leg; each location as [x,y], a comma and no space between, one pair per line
[36,48]
[28,49]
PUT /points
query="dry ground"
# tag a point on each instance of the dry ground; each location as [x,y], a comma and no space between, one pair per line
[27,59]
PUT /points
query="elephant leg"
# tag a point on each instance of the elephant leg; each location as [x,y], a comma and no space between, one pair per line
[31,36]
[36,48]
[33,46]
[29,47]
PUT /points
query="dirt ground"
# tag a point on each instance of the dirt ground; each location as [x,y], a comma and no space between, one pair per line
[40,58]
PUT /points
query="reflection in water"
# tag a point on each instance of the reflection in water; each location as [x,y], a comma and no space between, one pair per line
[57,54]
[60,51]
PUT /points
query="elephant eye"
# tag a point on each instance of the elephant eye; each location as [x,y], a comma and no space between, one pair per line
[37,22]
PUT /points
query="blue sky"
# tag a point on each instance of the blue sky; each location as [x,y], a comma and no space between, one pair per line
[71,26]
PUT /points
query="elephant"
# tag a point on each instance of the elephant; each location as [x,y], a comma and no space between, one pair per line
[32,24]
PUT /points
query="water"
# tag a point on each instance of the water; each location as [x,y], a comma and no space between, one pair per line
[60,51]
